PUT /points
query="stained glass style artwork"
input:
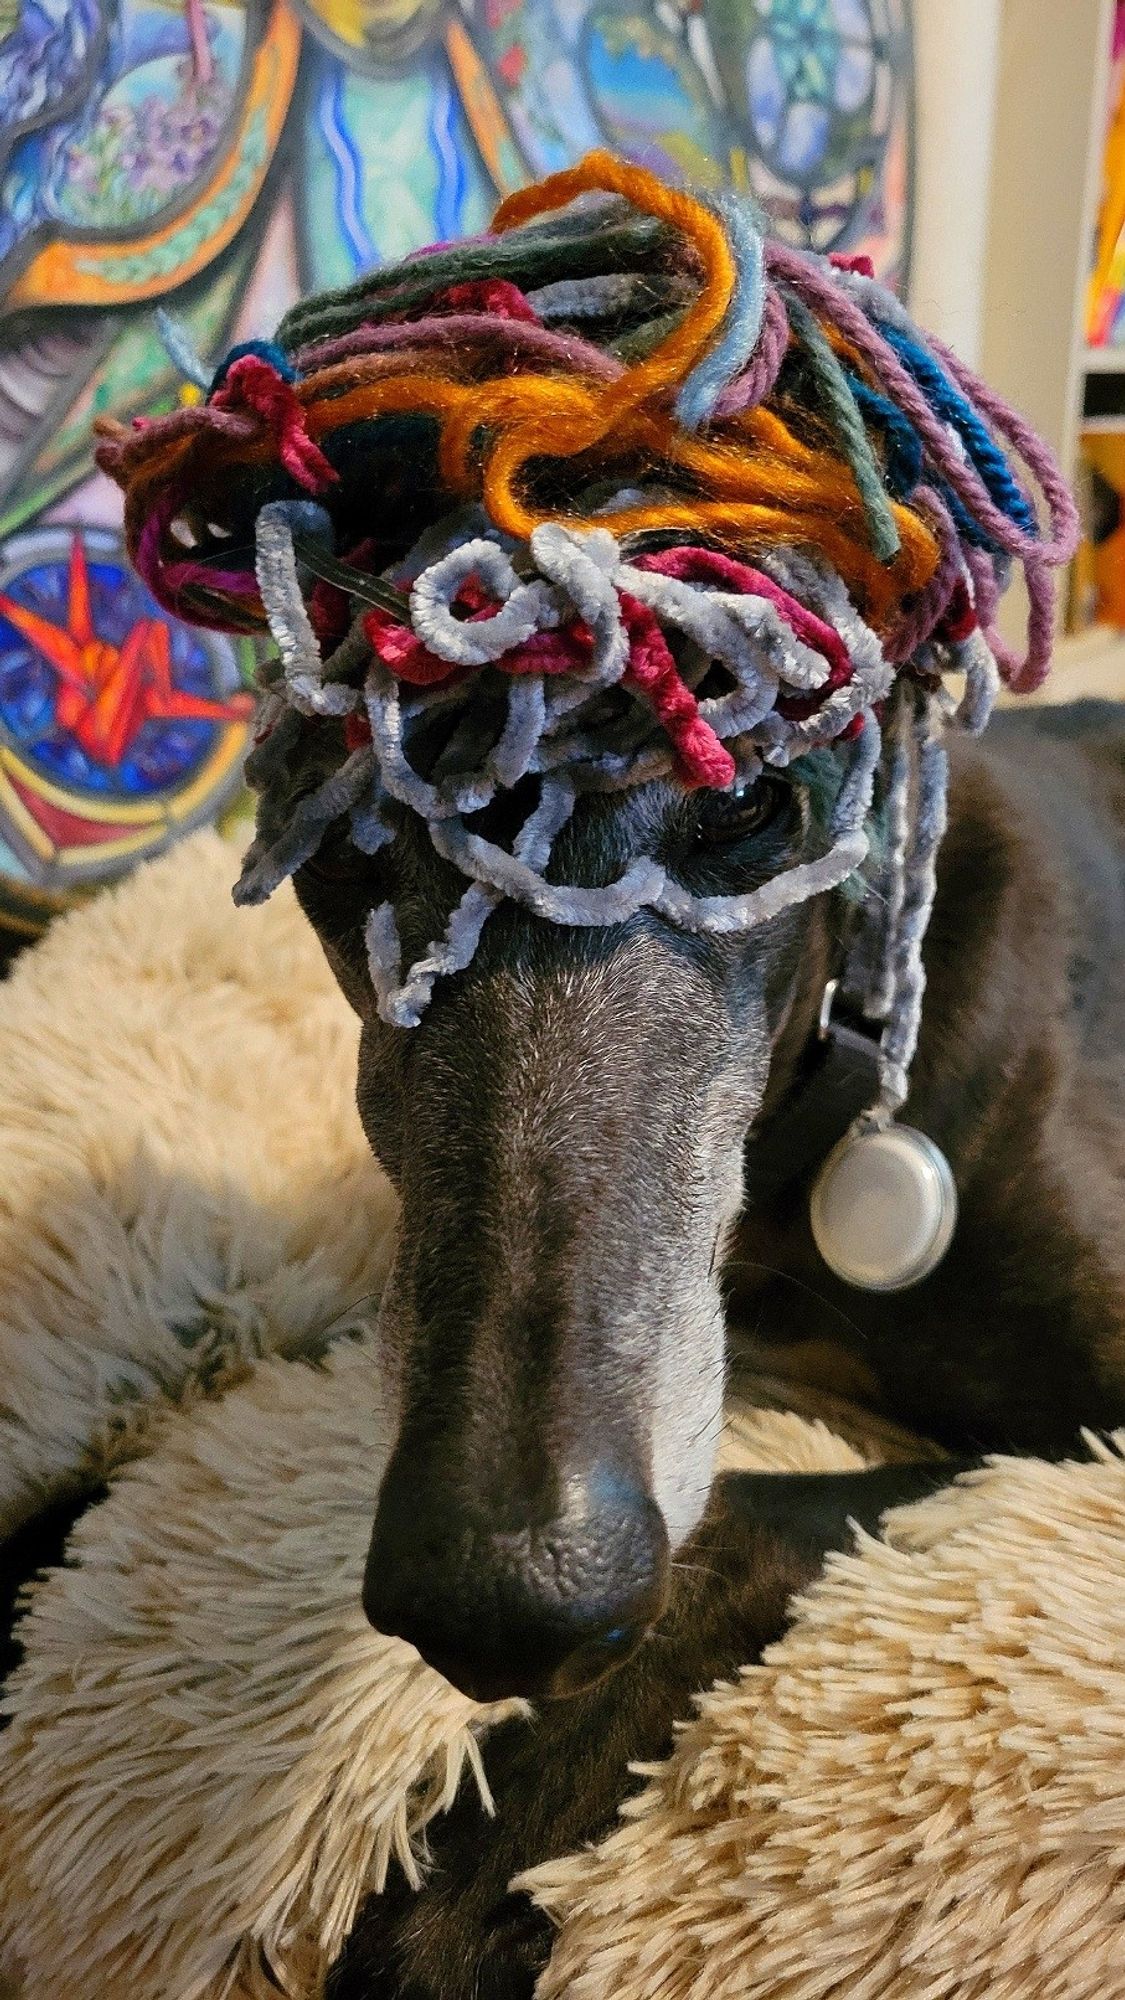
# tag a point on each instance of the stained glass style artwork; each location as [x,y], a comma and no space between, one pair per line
[118,728]
[220,157]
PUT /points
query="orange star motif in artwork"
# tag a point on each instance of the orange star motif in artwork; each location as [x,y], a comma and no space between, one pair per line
[107,693]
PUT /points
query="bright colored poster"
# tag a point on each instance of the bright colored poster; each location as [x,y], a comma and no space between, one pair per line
[220,157]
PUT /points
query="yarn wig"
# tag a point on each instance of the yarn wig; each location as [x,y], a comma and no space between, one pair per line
[624,491]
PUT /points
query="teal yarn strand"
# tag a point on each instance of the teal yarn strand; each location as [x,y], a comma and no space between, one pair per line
[901,443]
[176,342]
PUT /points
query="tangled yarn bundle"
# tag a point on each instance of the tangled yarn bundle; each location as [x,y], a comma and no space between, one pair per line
[624,491]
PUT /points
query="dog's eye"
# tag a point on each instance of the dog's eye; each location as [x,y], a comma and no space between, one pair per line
[728,817]
[337,862]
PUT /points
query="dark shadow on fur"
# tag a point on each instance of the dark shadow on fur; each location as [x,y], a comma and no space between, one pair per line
[39,1545]
[558,1780]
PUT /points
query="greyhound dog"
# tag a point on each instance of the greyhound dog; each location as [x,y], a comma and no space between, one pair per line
[556,1307]
[571,1131]
[603,812]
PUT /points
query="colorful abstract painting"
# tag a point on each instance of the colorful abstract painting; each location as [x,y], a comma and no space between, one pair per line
[222,156]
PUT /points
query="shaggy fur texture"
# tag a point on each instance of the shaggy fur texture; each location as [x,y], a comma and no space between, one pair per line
[211,1756]
[167,1215]
[211,1753]
[917,1796]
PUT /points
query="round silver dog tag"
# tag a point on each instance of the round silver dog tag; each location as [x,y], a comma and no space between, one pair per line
[883,1208]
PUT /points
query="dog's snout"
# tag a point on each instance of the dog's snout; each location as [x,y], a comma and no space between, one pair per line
[539,1610]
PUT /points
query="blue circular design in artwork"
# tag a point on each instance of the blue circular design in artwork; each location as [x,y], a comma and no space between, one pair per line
[823,80]
[804,103]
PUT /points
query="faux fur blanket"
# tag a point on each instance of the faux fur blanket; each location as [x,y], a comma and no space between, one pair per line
[919,1795]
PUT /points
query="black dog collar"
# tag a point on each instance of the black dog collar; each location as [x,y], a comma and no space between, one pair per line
[883,1203]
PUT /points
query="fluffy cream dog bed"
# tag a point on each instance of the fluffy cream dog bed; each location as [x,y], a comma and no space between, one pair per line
[185,1185]
[919,1794]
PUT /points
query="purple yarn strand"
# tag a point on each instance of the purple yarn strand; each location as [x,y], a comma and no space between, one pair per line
[449,329]
[921,617]
[986,597]
[1030,446]
[167,579]
[1025,677]
[202,417]
[760,374]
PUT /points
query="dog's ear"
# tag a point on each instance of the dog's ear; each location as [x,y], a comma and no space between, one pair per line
[292,756]
[337,886]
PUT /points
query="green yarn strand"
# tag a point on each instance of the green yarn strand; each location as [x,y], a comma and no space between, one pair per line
[843,413]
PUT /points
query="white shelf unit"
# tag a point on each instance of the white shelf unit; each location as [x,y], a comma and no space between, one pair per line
[1104,361]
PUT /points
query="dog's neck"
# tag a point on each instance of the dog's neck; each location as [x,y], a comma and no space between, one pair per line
[990,1086]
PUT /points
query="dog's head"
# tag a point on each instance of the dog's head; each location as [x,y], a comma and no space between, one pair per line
[676,506]
[565,1130]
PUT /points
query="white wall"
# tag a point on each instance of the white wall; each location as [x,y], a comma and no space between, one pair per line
[957,50]
[1010,96]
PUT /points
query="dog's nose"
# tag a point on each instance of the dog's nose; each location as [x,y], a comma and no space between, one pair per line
[539,1611]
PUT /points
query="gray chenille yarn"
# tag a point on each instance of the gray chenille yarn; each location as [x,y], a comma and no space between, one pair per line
[572,732]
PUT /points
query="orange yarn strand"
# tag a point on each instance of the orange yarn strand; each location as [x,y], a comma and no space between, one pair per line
[511,420]
[671,360]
